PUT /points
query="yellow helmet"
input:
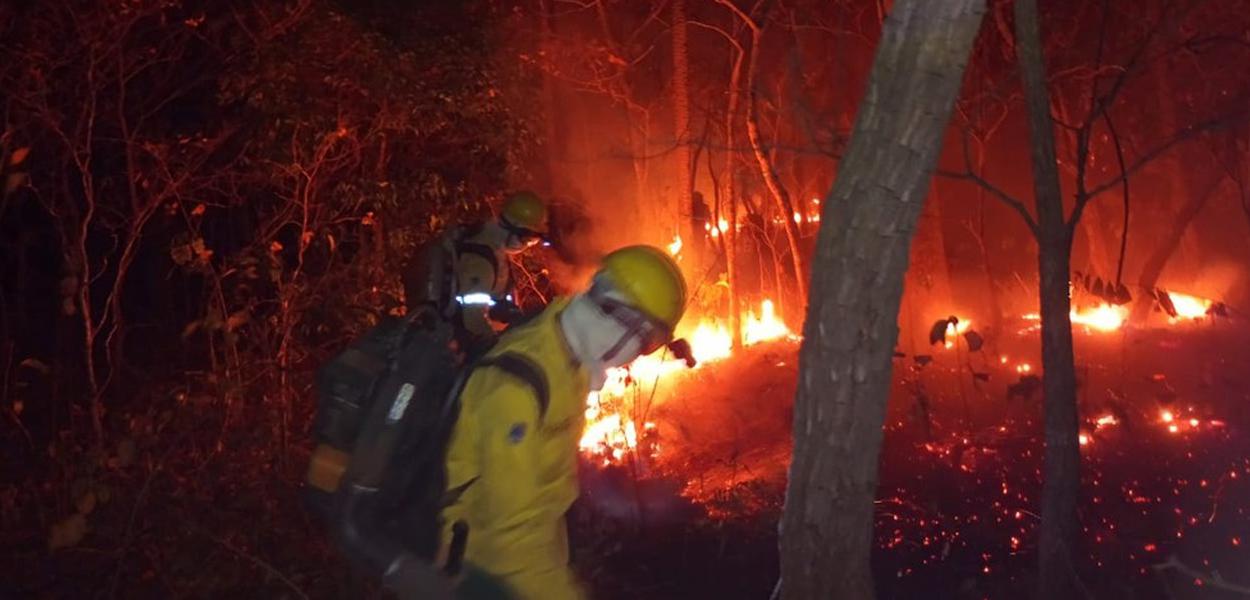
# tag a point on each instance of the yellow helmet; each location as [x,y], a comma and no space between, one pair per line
[525,210]
[649,280]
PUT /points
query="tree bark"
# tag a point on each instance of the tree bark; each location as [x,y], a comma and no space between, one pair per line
[767,170]
[730,235]
[857,282]
[681,132]
[1057,577]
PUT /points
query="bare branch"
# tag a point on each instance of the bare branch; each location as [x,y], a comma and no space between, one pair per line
[1011,201]
[1213,580]
[1006,198]
[1185,134]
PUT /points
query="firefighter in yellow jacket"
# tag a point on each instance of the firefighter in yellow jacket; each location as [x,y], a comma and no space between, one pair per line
[512,461]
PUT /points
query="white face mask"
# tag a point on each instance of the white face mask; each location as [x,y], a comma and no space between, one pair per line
[592,335]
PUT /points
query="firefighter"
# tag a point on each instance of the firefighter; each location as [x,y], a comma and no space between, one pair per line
[464,276]
[512,460]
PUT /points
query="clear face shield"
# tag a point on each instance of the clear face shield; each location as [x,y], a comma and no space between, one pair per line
[649,333]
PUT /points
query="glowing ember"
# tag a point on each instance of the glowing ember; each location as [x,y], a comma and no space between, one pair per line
[721,227]
[1166,416]
[1023,368]
[1188,307]
[1106,420]
[1083,439]
[954,330]
[675,246]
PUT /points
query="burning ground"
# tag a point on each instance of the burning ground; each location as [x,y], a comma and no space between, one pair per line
[1164,441]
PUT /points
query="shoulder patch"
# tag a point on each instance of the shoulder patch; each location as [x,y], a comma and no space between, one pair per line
[516,433]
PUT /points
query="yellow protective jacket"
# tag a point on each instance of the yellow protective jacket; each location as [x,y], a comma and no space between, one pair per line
[514,464]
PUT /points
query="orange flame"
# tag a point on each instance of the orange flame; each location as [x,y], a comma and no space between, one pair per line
[675,246]
[1103,317]
[611,431]
[1188,307]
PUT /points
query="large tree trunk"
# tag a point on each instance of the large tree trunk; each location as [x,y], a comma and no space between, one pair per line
[767,170]
[1057,577]
[681,133]
[857,282]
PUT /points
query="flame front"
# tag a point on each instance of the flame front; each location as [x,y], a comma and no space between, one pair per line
[1188,307]
[612,413]
[1103,317]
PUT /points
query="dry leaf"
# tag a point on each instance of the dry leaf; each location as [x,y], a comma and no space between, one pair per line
[191,328]
[14,181]
[67,533]
[125,452]
[19,155]
[86,503]
[235,320]
[35,364]
[18,407]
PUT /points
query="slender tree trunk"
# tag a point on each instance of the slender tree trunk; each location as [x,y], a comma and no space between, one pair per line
[729,237]
[551,101]
[681,131]
[1166,245]
[767,170]
[857,282]
[1057,577]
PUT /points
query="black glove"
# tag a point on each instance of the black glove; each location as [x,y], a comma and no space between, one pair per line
[415,579]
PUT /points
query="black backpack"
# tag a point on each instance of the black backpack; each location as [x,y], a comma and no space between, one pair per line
[386,408]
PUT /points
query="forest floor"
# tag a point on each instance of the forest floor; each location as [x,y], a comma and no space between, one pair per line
[1166,428]
[194,503]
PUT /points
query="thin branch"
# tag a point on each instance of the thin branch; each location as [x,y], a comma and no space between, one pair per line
[1008,199]
[1119,155]
[266,567]
[1184,135]
[1214,580]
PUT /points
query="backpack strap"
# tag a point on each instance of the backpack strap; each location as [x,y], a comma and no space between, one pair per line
[524,369]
